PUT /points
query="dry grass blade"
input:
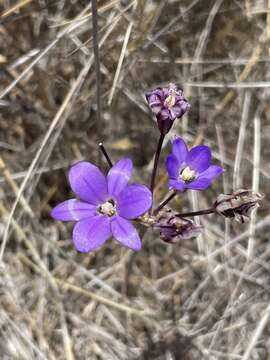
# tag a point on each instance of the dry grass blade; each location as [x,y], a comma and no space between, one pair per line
[16,7]
[257,333]
[255,178]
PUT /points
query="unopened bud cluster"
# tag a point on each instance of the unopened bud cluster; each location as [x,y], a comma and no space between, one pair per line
[238,205]
[173,229]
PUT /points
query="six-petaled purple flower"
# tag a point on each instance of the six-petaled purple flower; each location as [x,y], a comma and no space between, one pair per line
[104,206]
[190,169]
[168,104]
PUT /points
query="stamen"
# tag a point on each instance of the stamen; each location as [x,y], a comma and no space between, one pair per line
[108,208]
[187,175]
[171,98]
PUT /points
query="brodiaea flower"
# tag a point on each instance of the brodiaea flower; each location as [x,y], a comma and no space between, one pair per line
[104,205]
[190,169]
[168,104]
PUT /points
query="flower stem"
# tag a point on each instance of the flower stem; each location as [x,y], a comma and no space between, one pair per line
[155,167]
[165,202]
[106,155]
[97,68]
[197,213]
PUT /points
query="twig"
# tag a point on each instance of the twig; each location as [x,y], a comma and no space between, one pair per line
[155,166]
[165,202]
[97,65]
[106,155]
[197,213]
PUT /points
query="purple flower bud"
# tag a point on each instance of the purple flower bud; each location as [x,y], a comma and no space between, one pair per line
[173,229]
[238,205]
[167,104]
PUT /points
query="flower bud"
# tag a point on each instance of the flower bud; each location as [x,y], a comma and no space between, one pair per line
[173,229]
[168,104]
[238,205]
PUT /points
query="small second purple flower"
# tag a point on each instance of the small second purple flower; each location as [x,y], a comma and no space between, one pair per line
[191,169]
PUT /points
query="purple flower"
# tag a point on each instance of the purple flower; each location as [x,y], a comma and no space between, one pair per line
[190,169]
[104,206]
[167,104]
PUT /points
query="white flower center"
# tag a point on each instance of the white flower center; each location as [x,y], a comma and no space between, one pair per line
[108,208]
[187,175]
[171,98]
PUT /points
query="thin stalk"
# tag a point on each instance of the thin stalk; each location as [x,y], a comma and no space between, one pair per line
[106,155]
[155,167]
[197,213]
[97,67]
[165,202]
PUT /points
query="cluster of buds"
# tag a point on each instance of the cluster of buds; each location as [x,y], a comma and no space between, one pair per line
[238,205]
[174,229]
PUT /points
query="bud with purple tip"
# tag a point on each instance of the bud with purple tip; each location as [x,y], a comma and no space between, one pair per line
[173,229]
[238,205]
[168,104]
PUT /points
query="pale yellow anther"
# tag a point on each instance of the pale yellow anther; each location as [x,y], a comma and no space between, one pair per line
[108,208]
[170,100]
[188,175]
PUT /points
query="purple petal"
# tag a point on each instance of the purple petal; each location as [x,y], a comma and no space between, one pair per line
[211,173]
[89,234]
[177,185]
[88,182]
[165,115]
[199,184]
[199,158]
[73,210]
[125,233]
[177,111]
[134,201]
[172,166]
[154,102]
[119,175]
[160,93]
[179,150]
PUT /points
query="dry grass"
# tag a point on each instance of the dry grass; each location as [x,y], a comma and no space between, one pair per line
[206,298]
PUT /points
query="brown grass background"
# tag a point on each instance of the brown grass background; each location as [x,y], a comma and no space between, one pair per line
[206,298]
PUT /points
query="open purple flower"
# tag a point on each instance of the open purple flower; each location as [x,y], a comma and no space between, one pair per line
[104,205]
[168,104]
[190,169]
